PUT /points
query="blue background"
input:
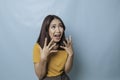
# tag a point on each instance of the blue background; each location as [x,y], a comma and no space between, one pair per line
[93,24]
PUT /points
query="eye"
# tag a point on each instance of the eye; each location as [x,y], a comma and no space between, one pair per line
[61,25]
[53,27]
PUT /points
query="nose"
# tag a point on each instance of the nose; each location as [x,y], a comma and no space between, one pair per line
[57,29]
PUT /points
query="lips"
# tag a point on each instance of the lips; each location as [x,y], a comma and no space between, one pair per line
[57,36]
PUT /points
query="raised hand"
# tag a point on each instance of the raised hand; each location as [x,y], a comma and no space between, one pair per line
[68,46]
[47,49]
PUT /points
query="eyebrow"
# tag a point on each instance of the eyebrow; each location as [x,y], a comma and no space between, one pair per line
[55,24]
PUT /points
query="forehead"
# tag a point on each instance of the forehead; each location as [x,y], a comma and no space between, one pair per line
[55,21]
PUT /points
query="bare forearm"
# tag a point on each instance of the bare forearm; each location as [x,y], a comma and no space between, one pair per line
[69,63]
[40,69]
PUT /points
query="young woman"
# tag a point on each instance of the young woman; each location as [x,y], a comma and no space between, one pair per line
[53,53]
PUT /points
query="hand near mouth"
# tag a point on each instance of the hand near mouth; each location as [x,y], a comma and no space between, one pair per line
[47,49]
[68,46]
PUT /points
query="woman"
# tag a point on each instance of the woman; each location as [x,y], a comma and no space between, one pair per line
[52,54]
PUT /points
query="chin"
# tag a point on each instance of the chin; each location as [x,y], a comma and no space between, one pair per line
[56,41]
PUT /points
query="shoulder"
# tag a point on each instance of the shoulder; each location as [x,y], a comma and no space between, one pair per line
[37,46]
[36,53]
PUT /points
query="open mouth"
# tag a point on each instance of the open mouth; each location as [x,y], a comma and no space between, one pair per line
[57,35]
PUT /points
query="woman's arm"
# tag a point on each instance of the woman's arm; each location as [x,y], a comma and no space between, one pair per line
[69,50]
[41,66]
[69,63]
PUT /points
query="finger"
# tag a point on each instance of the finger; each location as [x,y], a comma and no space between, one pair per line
[53,51]
[62,47]
[67,40]
[45,43]
[70,38]
[64,43]
[52,46]
[50,43]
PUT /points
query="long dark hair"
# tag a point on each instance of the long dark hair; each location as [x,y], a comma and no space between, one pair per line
[44,33]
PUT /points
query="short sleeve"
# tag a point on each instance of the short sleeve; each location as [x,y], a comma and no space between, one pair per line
[36,53]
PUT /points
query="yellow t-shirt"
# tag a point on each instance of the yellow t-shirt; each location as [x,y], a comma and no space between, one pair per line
[56,61]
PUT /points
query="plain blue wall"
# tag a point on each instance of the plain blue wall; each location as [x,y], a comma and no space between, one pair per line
[93,24]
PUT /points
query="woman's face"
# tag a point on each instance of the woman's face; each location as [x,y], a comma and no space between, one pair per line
[56,30]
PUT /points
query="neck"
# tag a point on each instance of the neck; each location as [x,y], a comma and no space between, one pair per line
[56,47]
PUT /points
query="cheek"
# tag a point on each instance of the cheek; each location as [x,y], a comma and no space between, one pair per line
[50,33]
[62,31]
